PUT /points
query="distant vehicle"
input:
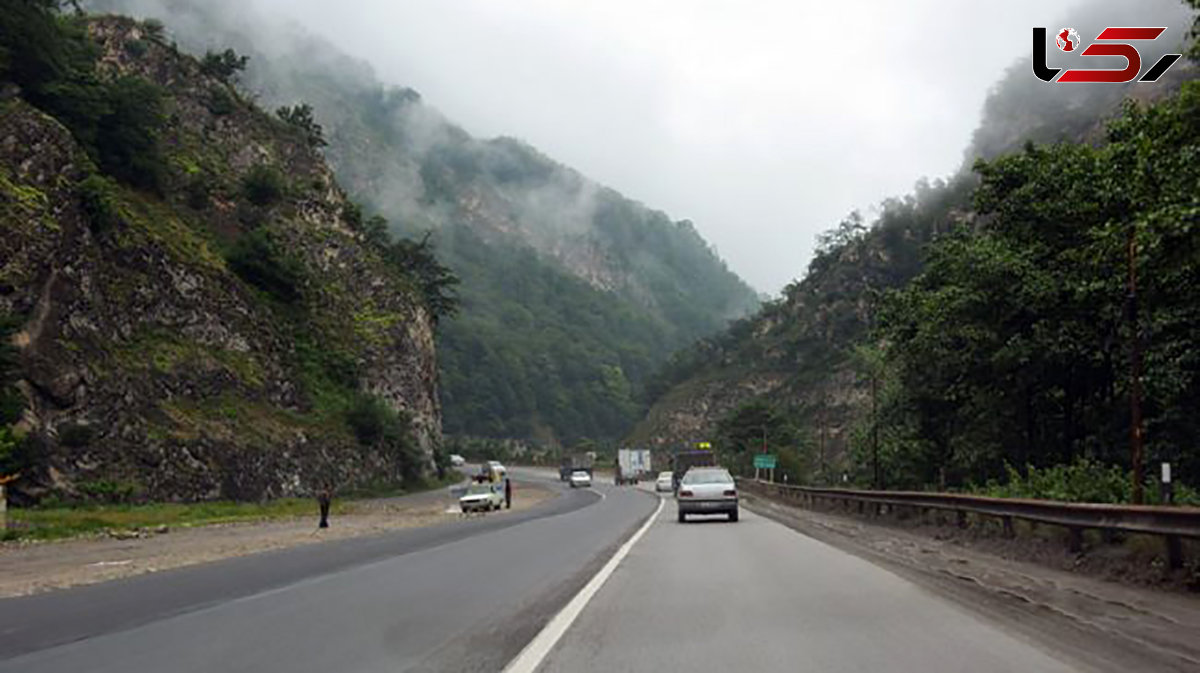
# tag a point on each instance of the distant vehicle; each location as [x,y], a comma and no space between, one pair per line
[580,479]
[684,460]
[457,460]
[574,462]
[481,498]
[631,465]
[493,471]
[664,482]
[707,490]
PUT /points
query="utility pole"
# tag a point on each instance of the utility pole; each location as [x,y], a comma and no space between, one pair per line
[821,421]
[875,428]
[1135,372]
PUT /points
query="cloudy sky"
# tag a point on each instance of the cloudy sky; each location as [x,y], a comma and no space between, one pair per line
[763,121]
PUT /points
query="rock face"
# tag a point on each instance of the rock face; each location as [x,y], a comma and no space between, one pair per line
[147,363]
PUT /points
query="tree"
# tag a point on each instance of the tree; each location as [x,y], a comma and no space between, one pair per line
[436,282]
[224,65]
[301,117]
[1014,345]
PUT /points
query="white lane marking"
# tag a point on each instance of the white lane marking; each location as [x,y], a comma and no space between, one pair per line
[535,652]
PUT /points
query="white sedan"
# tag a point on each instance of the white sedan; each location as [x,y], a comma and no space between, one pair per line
[580,479]
[664,483]
[481,498]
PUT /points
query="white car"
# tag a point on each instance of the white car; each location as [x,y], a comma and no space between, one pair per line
[457,460]
[481,498]
[580,479]
[707,490]
[664,483]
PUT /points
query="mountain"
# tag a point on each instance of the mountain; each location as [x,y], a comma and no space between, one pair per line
[807,372]
[191,306]
[572,294]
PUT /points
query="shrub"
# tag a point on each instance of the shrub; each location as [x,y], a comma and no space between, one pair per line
[98,198]
[108,491]
[259,261]
[224,65]
[135,48]
[1082,481]
[127,135]
[220,101]
[154,28]
[375,424]
[198,191]
[301,118]
[263,185]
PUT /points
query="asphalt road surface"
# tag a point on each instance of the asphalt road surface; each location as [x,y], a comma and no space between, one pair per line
[701,596]
[756,596]
[460,597]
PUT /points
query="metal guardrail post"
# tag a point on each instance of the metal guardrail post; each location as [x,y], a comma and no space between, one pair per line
[1171,523]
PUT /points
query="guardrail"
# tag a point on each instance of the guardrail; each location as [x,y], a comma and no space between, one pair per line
[1172,523]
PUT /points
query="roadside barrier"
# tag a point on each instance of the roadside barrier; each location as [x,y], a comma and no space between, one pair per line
[1172,523]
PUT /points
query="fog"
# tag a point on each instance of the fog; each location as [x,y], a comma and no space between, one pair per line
[764,122]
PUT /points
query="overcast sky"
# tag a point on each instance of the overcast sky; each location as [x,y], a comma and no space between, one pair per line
[763,121]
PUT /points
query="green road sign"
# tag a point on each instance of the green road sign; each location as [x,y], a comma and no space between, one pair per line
[764,461]
[703,445]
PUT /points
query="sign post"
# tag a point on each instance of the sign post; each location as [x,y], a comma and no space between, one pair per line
[764,461]
[1167,493]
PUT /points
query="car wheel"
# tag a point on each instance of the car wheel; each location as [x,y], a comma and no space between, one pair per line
[682,517]
[733,516]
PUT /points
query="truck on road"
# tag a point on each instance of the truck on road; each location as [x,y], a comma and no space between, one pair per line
[632,464]
[683,460]
[576,461]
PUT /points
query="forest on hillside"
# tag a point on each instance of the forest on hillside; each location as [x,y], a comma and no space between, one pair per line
[999,331]
[571,293]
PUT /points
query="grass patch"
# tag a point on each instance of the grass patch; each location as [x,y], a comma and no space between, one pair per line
[48,523]
[66,521]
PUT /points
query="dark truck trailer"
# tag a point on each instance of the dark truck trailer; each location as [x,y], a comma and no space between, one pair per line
[574,462]
[688,459]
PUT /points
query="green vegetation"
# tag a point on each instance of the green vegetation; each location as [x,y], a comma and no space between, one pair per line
[757,426]
[538,353]
[301,118]
[264,185]
[1014,345]
[224,65]
[51,58]
[98,197]
[526,320]
[59,521]
[261,262]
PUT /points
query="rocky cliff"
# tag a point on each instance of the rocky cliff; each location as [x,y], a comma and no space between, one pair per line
[228,334]
[571,292]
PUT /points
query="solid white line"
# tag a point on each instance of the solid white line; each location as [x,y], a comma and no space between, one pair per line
[535,652]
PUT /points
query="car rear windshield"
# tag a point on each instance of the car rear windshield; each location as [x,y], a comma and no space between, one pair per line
[707,477]
[478,489]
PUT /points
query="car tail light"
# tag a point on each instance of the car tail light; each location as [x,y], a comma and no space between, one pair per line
[731,493]
[685,494]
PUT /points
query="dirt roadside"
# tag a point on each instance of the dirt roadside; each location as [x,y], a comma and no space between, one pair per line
[31,567]
[1097,624]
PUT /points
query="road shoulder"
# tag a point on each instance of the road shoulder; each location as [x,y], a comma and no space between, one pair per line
[1100,625]
[27,568]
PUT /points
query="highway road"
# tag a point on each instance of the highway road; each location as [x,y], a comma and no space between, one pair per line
[701,596]
[756,596]
[460,597]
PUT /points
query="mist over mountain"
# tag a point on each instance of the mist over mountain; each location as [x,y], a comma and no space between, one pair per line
[571,293]
[806,369]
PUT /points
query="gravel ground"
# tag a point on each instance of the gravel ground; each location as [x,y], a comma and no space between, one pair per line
[31,567]
[1109,625]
